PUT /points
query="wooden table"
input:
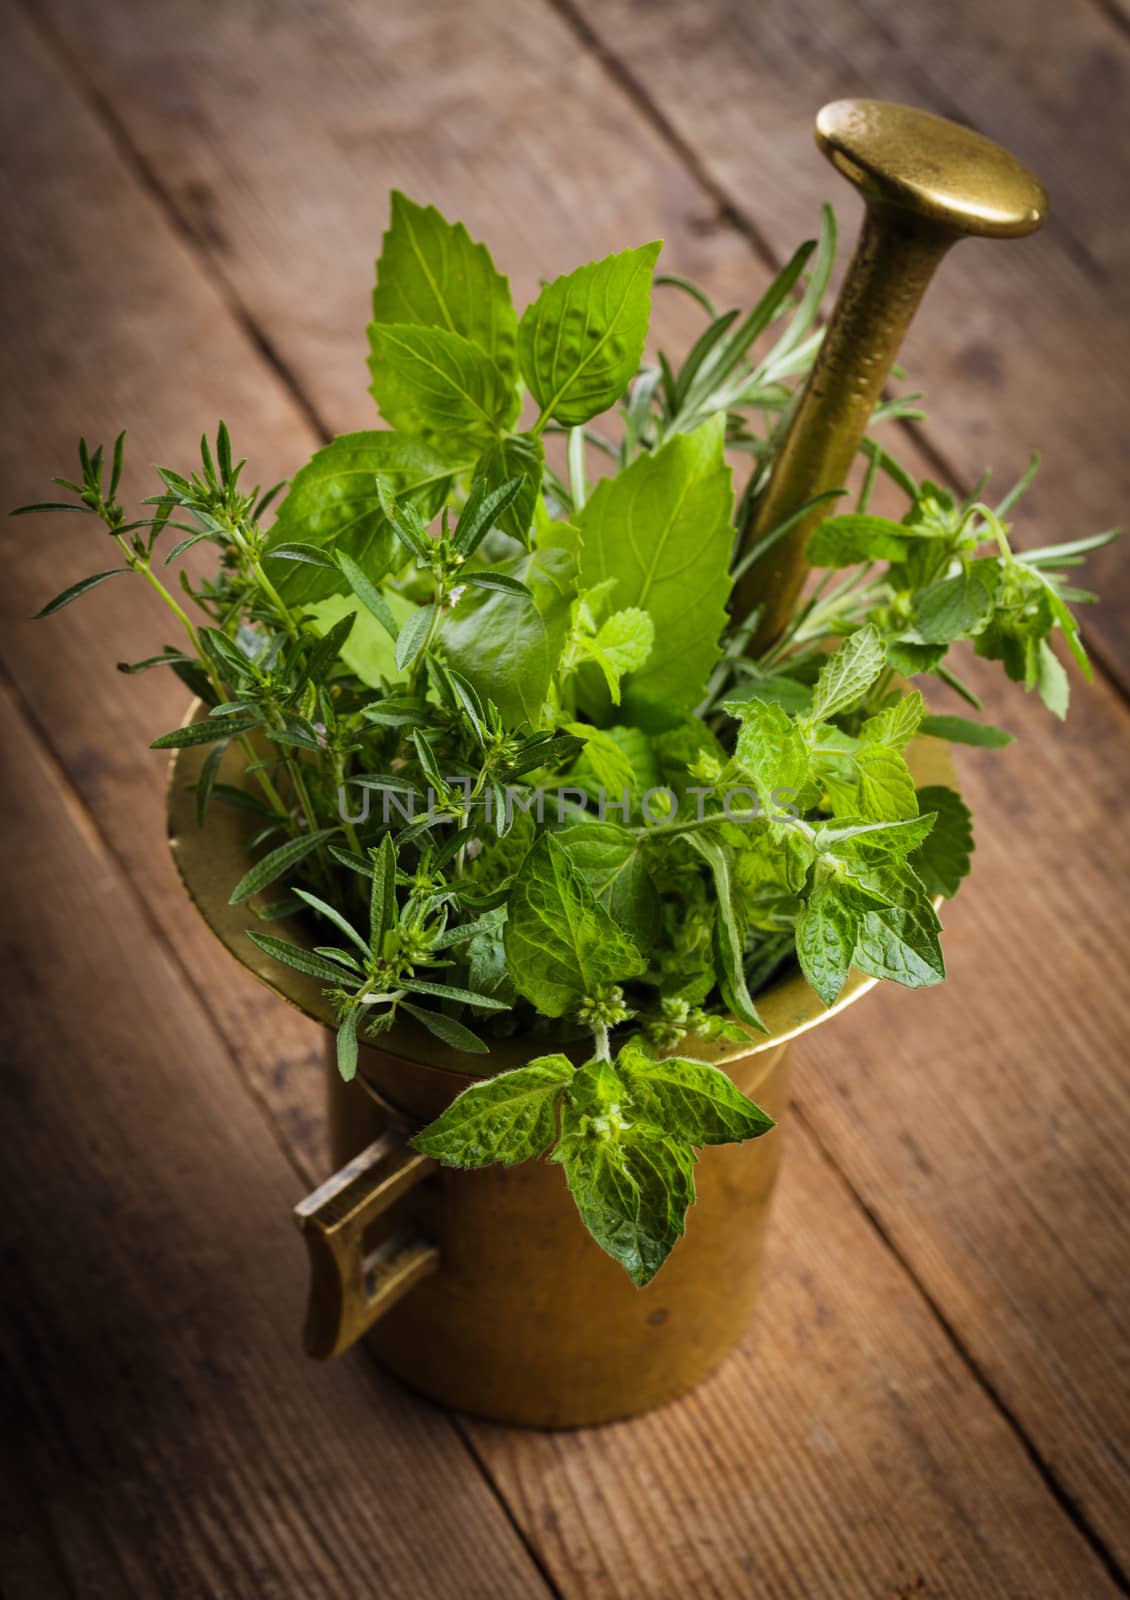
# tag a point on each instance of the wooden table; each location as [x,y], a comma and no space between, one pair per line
[933,1400]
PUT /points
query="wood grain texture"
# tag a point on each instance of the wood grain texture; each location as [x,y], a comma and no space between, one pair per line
[163,1434]
[1018,346]
[787,1474]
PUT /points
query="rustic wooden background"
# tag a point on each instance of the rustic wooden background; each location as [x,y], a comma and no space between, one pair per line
[933,1401]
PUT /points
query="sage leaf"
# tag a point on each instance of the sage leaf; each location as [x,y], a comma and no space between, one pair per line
[506,1119]
[581,341]
[562,946]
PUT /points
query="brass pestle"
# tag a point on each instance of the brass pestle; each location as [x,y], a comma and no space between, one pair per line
[927,182]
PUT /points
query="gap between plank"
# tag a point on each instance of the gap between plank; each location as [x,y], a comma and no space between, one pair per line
[1046,1473]
[730,213]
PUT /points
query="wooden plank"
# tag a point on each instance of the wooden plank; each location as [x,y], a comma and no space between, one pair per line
[1019,345]
[119,791]
[163,1434]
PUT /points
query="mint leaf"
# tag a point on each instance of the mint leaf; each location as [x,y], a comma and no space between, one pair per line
[897,724]
[846,677]
[772,752]
[333,505]
[439,386]
[844,541]
[580,343]
[508,648]
[661,531]
[825,941]
[944,857]
[519,455]
[508,1119]
[959,607]
[900,943]
[610,859]
[562,946]
[432,273]
[886,788]
[689,1099]
[960,730]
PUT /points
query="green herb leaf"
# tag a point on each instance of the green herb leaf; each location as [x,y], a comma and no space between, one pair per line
[845,541]
[520,456]
[611,861]
[897,724]
[293,955]
[960,730]
[773,754]
[347,1045]
[1051,680]
[203,732]
[456,1034]
[277,863]
[959,607]
[506,1119]
[81,587]
[689,1099]
[661,531]
[943,859]
[886,788]
[900,943]
[507,648]
[439,386]
[382,899]
[846,676]
[413,636]
[825,941]
[729,946]
[334,505]
[561,944]
[432,273]
[580,343]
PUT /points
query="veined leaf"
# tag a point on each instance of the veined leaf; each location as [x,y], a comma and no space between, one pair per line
[333,506]
[561,944]
[456,1034]
[661,530]
[519,455]
[610,859]
[580,343]
[690,1099]
[943,859]
[432,273]
[846,676]
[825,941]
[439,386]
[771,749]
[844,541]
[278,862]
[900,943]
[507,1119]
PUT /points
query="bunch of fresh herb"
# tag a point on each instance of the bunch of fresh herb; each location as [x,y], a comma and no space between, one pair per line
[512,760]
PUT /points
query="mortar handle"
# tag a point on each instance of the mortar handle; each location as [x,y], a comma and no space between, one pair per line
[927,182]
[351,1288]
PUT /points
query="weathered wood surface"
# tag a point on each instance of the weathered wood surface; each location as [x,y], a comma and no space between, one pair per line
[851,1449]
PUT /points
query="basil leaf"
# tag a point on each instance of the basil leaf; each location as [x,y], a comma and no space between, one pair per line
[943,859]
[508,1119]
[333,505]
[580,343]
[432,273]
[690,1099]
[507,648]
[846,676]
[660,530]
[562,946]
[438,386]
[519,455]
